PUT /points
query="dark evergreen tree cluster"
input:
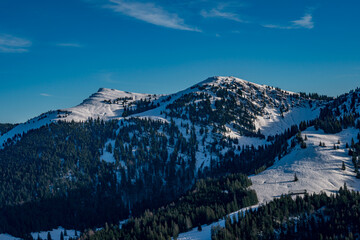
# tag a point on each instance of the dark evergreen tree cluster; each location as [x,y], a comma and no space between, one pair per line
[354,152]
[54,176]
[141,105]
[5,127]
[316,96]
[56,173]
[316,216]
[229,104]
[250,158]
[206,202]
[340,113]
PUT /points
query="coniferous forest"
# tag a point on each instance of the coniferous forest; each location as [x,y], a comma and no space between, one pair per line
[208,201]
[316,216]
[47,174]
[81,175]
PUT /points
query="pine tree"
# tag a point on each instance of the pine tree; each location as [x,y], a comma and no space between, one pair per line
[295,178]
[61,236]
[49,236]
[343,166]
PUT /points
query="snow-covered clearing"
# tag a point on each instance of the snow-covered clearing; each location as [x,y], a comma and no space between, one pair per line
[205,233]
[273,123]
[317,168]
[55,235]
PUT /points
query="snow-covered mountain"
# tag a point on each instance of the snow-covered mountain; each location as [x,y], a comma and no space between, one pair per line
[140,147]
[239,107]
[318,167]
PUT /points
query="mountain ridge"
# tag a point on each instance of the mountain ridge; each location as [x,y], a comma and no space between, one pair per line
[128,151]
[108,104]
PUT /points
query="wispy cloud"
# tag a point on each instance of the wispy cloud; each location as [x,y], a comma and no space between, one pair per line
[45,95]
[11,44]
[305,22]
[75,45]
[150,13]
[277,26]
[216,13]
[221,12]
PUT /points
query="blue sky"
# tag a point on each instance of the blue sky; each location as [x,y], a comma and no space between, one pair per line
[54,54]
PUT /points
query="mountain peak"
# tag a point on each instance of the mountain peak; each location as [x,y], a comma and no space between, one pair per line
[228,80]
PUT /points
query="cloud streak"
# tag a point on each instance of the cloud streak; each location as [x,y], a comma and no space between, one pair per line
[150,13]
[305,22]
[75,45]
[11,44]
[45,95]
[217,13]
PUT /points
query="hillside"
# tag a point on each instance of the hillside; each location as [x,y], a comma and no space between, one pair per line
[119,153]
[245,108]
[318,169]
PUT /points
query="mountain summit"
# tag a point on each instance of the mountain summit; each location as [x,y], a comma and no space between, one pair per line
[238,106]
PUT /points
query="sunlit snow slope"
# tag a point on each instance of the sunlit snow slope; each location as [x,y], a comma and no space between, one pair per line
[317,168]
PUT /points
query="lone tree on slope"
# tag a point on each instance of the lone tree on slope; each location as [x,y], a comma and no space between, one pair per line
[295,178]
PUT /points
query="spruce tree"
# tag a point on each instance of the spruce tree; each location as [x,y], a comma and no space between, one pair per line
[343,166]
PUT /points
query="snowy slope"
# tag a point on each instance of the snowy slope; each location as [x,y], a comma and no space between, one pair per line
[92,107]
[95,107]
[55,235]
[318,169]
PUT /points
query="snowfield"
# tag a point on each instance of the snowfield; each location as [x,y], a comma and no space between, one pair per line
[55,235]
[273,123]
[317,168]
